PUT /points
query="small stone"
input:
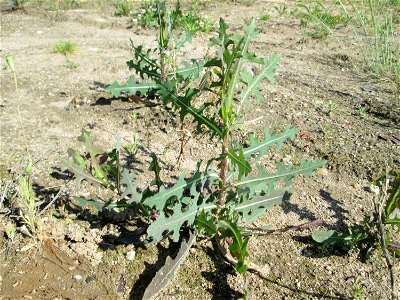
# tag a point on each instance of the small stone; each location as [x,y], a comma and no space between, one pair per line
[322,172]
[373,189]
[39,32]
[357,186]
[78,277]
[130,255]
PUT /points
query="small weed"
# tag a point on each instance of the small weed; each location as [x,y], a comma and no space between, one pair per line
[104,25]
[245,2]
[378,42]
[70,64]
[282,9]
[331,107]
[132,148]
[11,231]
[16,4]
[373,233]
[27,203]
[358,290]
[218,200]
[361,110]
[133,116]
[322,20]
[123,8]
[64,5]
[187,21]
[265,17]
[65,47]
[326,128]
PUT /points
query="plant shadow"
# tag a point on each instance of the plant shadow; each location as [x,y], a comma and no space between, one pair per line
[336,207]
[150,270]
[219,277]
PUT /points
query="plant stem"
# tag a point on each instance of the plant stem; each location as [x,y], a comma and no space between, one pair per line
[382,239]
[224,168]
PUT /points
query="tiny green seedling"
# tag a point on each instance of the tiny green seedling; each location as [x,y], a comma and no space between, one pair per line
[70,64]
[65,47]
[123,8]
[265,17]
[132,148]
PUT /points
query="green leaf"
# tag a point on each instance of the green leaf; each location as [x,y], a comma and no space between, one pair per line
[238,246]
[89,140]
[189,69]
[181,214]
[143,64]
[321,236]
[259,147]
[253,84]
[206,224]
[252,206]
[183,103]
[93,202]
[238,159]
[81,173]
[130,88]
[393,201]
[184,38]
[155,167]
[166,273]
[285,173]
[222,35]
[159,200]
[130,188]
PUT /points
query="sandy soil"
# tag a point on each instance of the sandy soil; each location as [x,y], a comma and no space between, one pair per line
[80,256]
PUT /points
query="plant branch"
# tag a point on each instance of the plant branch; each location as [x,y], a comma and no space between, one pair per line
[262,272]
[259,231]
[382,238]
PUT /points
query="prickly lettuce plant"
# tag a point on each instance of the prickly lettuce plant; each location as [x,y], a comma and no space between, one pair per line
[157,66]
[230,191]
[95,165]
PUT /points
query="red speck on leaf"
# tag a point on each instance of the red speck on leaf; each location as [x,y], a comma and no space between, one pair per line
[155,214]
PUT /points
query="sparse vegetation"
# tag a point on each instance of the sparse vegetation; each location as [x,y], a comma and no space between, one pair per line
[178,20]
[374,231]
[321,18]
[375,25]
[123,8]
[65,47]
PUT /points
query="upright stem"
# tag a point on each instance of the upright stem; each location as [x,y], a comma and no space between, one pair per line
[379,206]
[224,168]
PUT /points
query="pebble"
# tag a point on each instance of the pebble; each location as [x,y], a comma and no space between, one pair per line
[373,189]
[322,172]
[130,255]
[78,277]
[357,186]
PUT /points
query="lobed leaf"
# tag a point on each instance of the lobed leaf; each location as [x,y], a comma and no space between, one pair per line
[253,84]
[166,273]
[252,206]
[237,159]
[143,65]
[130,88]
[183,104]
[259,147]
[285,173]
